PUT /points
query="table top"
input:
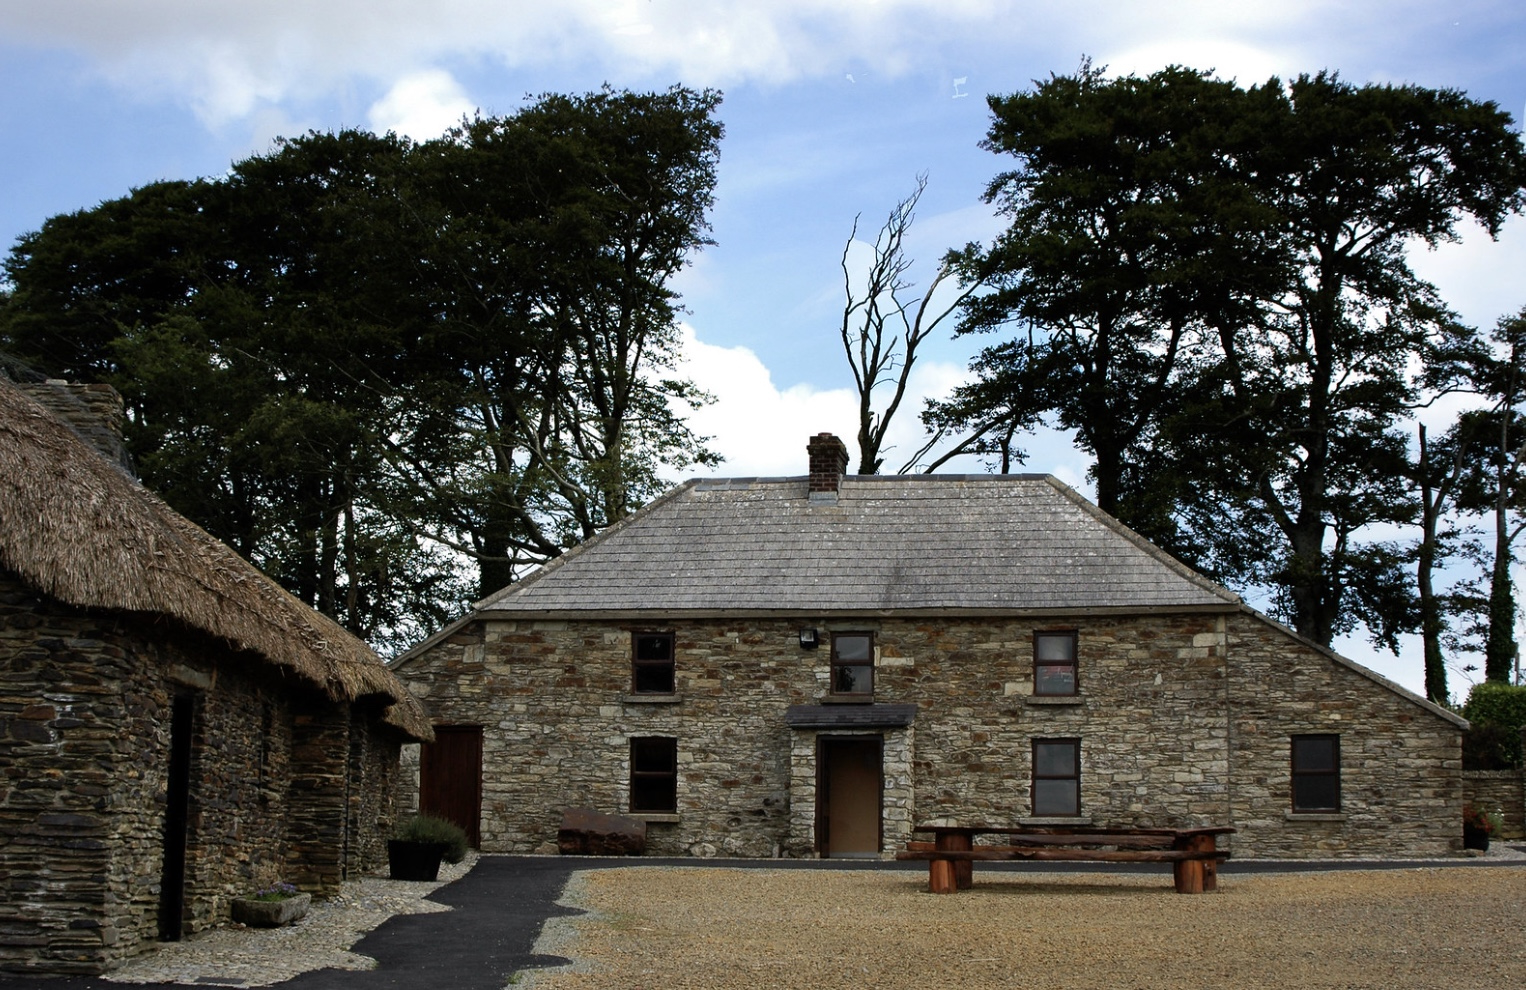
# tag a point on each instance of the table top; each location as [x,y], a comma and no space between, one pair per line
[1040,830]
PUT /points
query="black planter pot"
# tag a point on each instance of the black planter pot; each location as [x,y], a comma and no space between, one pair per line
[414,860]
[1475,838]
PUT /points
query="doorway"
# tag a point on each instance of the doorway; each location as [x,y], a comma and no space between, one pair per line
[849,785]
[177,816]
[450,777]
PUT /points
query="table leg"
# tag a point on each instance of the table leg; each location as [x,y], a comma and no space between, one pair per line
[946,876]
[1195,876]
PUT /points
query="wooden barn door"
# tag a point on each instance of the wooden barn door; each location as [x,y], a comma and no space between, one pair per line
[848,793]
[450,777]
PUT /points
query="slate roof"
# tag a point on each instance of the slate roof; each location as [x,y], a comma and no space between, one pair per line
[884,544]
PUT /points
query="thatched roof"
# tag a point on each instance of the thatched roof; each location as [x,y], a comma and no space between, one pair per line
[80,530]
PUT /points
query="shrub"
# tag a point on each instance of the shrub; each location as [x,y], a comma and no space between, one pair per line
[1487,822]
[1497,713]
[428,828]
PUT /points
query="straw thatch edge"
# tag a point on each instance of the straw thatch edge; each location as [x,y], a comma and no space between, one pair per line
[80,530]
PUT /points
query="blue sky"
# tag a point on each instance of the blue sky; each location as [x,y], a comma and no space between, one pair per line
[831,110]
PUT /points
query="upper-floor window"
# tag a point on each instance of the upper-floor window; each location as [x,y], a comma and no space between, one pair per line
[853,664]
[652,663]
[1054,662]
[1317,773]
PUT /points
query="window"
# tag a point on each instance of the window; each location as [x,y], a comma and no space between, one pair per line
[1054,663]
[652,664]
[1056,777]
[1317,773]
[853,664]
[654,774]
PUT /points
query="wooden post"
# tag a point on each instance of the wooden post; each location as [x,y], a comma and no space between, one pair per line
[945,876]
[1194,876]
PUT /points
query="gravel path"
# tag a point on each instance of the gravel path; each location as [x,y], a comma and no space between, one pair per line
[721,928]
[233,955]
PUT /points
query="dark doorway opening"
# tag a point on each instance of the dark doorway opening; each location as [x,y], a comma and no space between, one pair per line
[176,819]
[450,777]
[849,789]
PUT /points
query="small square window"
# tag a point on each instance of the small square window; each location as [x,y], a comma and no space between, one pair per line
[1317,773]
[1056,777]
[853,664]
[1054,663]
[652,663]
[654,774]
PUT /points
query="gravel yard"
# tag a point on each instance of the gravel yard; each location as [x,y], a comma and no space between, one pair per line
[716,928]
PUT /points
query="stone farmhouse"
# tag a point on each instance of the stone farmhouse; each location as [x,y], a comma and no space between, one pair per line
[811,666]
[175,730]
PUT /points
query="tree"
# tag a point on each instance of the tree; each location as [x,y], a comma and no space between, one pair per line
[556,233]
[1493,484]
[1130,226]
[355,356]
[881,330]
[1366,172]
[1228,317]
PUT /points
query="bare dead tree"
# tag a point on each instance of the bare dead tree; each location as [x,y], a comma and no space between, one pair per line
[881,329]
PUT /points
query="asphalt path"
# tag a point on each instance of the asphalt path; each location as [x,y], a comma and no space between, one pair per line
[501,905]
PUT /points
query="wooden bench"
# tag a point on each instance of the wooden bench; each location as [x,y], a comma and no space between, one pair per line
[1192,852]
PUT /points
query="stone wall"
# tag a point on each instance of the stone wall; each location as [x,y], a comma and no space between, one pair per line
[85,701]
[1401,764]
[1183,720]
[371,793]
[1498,790]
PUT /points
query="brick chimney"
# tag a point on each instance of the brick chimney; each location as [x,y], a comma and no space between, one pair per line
[829,462]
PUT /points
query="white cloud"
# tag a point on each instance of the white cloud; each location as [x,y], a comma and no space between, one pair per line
[228,59]
[421,106]
[762,429]
[1478,277]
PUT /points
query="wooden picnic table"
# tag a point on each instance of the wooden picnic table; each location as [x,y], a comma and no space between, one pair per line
[1192,852]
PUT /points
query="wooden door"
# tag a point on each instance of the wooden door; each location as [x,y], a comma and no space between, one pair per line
[849,788]
[450,777]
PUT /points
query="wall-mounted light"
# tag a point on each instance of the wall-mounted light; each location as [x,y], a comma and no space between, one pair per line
[808,639]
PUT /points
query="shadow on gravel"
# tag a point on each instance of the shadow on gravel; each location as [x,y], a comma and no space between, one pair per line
[500,907]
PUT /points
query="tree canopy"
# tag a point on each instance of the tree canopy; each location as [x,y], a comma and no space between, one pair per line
[1209,285]
[357,358]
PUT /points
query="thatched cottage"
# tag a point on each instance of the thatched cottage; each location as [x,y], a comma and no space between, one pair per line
[175,730]
[811,666]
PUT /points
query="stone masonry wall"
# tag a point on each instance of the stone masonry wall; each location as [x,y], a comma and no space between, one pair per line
[61,708]
[1162,739]
[372,790]
[85,703]
[1401,791]
[1498,790]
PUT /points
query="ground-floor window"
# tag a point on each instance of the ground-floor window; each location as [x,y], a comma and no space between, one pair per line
[1056,777]
[1317,773]
[654,774]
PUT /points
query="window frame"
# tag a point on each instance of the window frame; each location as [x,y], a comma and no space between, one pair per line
[644,777]
[1073,663]
[836,663]
[639,665]
[1075,746]
[1297,774]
